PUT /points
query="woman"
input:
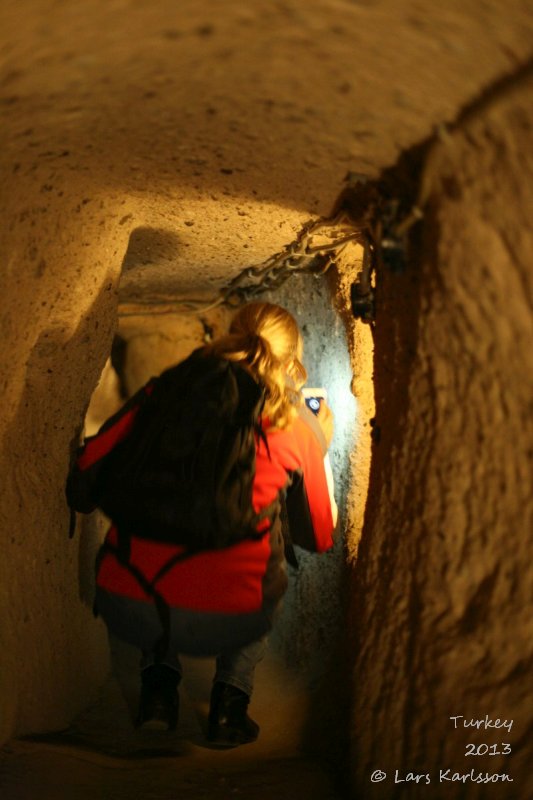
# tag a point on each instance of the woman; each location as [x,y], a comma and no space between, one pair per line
[223,601]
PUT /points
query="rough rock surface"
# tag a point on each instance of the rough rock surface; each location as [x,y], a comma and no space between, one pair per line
[442,592]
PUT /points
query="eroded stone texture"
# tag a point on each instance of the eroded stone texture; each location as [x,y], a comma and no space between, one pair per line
[222,130]
[442,595]
[359,334]
[57,323]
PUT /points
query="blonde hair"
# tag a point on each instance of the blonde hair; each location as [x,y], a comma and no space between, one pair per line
[266,340]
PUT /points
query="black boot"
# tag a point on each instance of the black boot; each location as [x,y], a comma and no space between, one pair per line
[159,704]
[228,722]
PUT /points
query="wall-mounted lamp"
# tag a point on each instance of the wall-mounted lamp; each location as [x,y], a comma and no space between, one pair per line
[362,291]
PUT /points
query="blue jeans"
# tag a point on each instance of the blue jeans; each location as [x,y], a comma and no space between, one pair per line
[192,633]
[235,667]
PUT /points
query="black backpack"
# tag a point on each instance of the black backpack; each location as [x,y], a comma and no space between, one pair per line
[184,475]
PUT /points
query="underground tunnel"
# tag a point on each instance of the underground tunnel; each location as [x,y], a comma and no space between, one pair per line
[159,164]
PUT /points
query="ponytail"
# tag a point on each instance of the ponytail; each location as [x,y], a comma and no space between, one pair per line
[265,339]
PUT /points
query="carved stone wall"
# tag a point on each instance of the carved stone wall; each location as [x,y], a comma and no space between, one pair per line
[442,592]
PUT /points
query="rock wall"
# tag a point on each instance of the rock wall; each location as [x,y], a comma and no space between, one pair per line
[442,601]
[311,622]
[57,320]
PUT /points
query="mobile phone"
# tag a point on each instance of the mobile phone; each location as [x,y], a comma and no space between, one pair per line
[313,398]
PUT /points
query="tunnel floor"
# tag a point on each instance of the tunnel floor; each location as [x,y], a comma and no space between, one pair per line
[101,756]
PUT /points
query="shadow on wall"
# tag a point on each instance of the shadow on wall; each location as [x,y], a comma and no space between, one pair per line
[148,265]
[68,654]
[148,246]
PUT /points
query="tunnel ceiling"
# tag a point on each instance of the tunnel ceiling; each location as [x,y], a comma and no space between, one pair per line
[222,126]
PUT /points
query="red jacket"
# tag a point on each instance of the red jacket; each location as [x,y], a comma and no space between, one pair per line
[247,576]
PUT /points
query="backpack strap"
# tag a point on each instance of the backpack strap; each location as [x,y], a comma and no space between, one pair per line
[122,554]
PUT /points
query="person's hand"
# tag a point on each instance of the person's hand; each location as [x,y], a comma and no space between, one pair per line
[325,418]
